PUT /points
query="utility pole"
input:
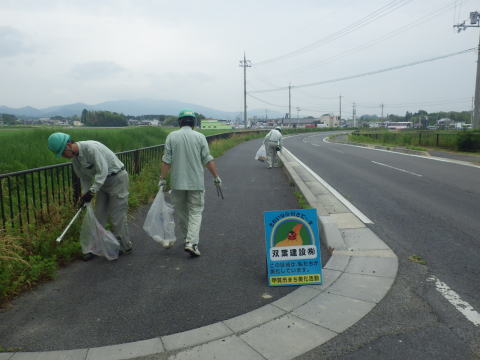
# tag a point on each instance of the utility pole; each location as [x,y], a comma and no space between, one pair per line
[290,100]
[381,105]
[473,109]
[474,22]
[298,119]
[340,110]
[354,116]
[245,63]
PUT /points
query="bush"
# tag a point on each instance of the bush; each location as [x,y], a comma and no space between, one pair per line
[468,142]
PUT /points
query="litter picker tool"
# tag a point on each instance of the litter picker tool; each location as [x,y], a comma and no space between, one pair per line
[219,191]
[60,238]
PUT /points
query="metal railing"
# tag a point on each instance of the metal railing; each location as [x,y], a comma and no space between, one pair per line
[26,197]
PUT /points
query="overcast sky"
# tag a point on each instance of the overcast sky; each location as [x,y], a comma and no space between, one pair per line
[68,51]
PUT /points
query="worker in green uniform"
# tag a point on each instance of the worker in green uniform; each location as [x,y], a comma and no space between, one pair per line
[186,154]
[101,175]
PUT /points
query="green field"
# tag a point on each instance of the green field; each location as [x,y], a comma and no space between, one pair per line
[22,149]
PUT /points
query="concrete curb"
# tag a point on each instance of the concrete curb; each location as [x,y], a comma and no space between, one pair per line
[359,273]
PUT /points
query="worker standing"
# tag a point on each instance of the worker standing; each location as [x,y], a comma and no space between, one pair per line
[273,143]
[186,154]
[102,175]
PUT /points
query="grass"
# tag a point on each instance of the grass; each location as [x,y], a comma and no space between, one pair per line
[302,202]
[420,140]
[23,149]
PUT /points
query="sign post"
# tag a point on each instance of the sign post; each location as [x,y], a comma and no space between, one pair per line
[293,247]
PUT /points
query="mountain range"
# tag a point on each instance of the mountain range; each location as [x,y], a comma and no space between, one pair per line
[134,108]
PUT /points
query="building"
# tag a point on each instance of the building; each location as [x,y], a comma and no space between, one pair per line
[330,120]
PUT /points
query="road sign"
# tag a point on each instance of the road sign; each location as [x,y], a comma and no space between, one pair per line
[293,247]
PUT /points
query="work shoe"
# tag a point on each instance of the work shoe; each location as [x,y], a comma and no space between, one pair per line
[167,244]
[192,249]
[87,256]
[125,252]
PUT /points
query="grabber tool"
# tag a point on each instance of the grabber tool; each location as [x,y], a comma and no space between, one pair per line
[60,238]
[219,190]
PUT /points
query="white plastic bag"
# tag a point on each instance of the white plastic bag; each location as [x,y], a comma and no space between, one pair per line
[159,223]
[261,153]
[95,239]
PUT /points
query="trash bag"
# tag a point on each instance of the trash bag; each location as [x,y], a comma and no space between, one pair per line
[261,154]
[159,223]
[95,239]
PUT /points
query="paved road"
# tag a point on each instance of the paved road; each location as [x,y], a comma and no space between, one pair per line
[419,207]
[156,292]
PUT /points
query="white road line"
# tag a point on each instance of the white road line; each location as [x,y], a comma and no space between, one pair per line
[465,308]
[392,167]
[451,161]
[339,196]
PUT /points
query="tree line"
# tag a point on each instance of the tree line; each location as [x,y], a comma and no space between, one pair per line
[102,118]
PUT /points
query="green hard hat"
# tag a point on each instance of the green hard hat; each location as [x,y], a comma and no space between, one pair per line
[57,143]
[186,113]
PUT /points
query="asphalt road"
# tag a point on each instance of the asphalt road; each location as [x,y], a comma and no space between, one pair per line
[419,207]
[155,291]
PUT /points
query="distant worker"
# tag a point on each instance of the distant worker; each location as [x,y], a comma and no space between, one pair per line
[273,143]
[186,154]
[101,175]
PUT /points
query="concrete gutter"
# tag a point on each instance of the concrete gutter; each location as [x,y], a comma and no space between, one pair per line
[359,273]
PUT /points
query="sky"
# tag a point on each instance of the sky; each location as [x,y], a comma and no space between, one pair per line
[55,52]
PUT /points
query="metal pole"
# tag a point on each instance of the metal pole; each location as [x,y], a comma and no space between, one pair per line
[476,114]
[289,101]
[245,63]
[474,22]
[340,115]
[244,91]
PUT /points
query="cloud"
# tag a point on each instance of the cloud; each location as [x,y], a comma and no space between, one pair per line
[12,42]
[96,70]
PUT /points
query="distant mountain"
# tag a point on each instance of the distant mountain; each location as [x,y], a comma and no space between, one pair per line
[134,108]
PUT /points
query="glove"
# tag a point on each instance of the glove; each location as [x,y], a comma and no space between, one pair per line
[162,183]
[217,180]
[278,148]
[86,198]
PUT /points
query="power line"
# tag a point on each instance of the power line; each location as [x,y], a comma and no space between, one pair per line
[385,10]
[374,42]
[370,72]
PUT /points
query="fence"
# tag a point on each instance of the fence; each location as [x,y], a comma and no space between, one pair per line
[27,196]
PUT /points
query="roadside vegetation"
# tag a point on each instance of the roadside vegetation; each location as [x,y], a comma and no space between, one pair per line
[461,140]
[23,149]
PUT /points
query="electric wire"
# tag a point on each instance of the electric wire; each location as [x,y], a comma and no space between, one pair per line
[398,31]
[383,11]
[350,77]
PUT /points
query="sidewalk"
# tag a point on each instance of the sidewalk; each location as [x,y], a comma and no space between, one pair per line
[359,273]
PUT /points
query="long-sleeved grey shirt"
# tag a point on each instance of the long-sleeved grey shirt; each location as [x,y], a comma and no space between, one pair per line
[187,153]
[93,164]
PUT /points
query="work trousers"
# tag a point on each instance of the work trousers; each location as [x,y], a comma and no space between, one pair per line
[111,203]
[272,158]
[189,206]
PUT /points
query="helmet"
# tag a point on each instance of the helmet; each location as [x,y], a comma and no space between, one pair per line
[186,113]
[278,128]
[57,142]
